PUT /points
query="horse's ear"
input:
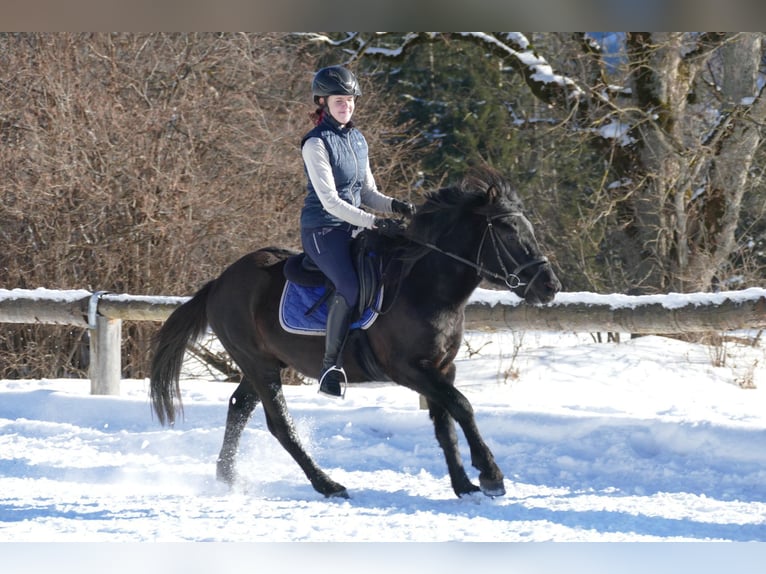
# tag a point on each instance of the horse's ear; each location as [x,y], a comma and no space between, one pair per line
[493,193]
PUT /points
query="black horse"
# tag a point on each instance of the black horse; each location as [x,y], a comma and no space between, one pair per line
[475,230]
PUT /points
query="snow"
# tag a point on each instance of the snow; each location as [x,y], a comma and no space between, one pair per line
[618,131]
[639,440]
[620,301]
[541,71]
[72,295]
[42,294]
[493,296]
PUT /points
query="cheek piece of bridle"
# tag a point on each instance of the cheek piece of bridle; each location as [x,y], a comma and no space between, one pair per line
[512,279]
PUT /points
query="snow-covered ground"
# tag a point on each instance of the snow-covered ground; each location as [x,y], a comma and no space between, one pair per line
[640,440]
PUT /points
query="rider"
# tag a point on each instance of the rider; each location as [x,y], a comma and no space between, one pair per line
[339,183]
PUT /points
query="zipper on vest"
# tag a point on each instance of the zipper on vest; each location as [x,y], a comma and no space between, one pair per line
[356,167]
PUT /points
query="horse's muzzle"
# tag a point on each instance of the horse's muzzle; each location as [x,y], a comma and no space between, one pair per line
[543,287]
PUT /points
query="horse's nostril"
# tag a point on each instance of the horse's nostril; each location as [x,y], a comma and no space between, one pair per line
[553,286]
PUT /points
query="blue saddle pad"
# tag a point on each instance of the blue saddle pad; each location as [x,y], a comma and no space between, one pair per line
[297,300]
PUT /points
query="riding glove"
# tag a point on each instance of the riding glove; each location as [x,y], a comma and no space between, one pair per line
[403,208]
[389,227]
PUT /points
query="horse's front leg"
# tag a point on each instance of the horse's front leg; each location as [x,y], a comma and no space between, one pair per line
[241,405]
[491,478]
[444,428]
[446,401]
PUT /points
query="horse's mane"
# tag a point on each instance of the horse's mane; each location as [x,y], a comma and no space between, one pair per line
[445,206]
[482,191]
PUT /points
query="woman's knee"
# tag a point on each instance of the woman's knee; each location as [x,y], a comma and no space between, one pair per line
[349,291]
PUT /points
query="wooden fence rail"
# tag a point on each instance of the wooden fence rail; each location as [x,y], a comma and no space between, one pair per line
[103,314]
[642,314]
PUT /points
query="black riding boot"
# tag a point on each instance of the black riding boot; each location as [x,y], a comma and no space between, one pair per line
[338,319]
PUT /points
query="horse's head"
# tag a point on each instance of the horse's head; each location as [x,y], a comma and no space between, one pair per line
[508,253]
[504,249]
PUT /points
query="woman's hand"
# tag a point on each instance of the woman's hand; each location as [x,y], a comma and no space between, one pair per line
[402,208]
[389,227]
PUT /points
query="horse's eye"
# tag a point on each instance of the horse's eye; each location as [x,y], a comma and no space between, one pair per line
[508,226]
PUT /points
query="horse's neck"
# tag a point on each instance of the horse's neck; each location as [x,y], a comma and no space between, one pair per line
[444,282]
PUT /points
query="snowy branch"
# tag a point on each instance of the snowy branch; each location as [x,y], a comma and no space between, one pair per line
[549,86]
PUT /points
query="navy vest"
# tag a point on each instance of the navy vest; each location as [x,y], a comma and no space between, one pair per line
[347,149]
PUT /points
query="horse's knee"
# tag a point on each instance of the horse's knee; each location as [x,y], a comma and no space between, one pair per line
[449,403]
[280,429]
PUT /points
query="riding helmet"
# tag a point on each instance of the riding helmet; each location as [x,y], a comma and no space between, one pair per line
[334,81]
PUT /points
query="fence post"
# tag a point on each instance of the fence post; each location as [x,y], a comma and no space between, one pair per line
[105,368]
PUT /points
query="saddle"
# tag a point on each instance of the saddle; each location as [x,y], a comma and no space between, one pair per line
[303,306]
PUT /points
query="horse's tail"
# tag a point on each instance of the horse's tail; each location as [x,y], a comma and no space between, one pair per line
[184,325]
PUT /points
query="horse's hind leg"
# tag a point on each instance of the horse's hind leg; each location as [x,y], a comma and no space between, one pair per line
[263,374]
[241,405]
[281,425]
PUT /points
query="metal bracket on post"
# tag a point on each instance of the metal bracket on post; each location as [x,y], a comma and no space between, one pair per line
[93,308]
[105,342]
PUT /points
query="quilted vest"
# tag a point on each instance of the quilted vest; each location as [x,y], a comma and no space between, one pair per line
[348,157]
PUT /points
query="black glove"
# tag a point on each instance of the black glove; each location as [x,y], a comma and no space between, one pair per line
[389,227]
[403,208]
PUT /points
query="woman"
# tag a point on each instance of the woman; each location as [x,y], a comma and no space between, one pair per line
[339,184]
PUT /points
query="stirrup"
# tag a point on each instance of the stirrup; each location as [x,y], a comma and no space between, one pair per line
[332,387]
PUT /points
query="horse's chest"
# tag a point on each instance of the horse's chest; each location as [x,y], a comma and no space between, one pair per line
[447,332]
[449,324]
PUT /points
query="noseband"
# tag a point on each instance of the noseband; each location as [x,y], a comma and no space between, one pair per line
[512,279]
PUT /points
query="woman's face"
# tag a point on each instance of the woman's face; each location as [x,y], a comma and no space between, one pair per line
[341,108]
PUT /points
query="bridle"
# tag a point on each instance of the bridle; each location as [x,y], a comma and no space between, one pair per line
[511,279]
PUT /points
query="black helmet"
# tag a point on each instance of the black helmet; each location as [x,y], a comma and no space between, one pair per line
[334,81]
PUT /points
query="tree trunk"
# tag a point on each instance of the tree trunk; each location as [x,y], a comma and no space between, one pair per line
[744,111]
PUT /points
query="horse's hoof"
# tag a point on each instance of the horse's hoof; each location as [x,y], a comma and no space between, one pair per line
[492,488]
[467,489]
[343,493]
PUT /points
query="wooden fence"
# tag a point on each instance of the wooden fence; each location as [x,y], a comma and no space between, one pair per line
[102,313]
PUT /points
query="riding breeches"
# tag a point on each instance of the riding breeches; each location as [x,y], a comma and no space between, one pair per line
[330,249]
